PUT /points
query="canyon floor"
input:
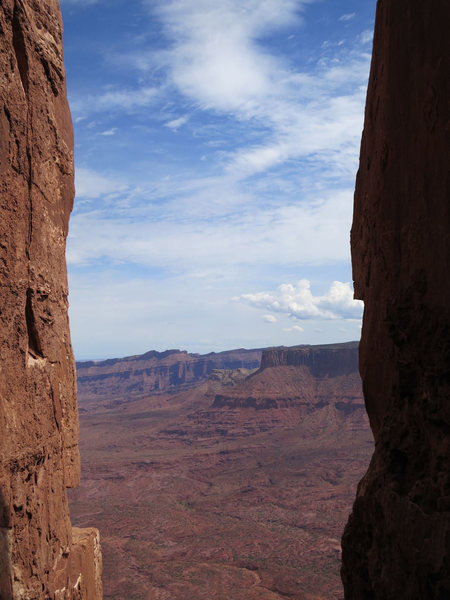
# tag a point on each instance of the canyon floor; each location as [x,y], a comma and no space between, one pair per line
[197,498]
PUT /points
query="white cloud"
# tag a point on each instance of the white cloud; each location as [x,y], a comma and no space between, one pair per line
[269,319]
[119,99]
[274,193]
[109,132]
[298,302]
[90,185]
[366,36]
[218,61]
[175,124]
[215,57]
[347,17]
[207,234]
[294,328]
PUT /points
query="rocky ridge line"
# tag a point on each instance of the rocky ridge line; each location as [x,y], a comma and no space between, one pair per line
[154,373]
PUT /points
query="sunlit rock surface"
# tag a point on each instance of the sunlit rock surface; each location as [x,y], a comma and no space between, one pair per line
[397,542]
[40,556]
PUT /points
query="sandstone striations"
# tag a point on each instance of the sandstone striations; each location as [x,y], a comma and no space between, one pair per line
[397,541]
[120,379]
[40,556]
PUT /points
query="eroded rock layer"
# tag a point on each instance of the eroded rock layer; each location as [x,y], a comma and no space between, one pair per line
[397,541]
[118,380]
[39,555]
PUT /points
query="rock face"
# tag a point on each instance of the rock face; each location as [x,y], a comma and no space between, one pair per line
[397,541]
[40,556]
[154,372]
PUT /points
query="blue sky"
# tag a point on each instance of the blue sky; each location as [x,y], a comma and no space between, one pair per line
[216,147]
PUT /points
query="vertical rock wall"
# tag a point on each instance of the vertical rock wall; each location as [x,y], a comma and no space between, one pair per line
[40,557]
[397,542]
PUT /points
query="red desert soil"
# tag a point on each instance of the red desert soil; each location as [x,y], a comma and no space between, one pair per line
[234,489]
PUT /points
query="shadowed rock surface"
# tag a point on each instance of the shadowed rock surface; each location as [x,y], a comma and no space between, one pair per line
[397,541]
[40,555]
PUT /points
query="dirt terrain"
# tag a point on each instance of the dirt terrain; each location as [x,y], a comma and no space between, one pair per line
[236,488]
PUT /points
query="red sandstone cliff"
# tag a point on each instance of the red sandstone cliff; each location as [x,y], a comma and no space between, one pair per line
[120,379]
[397,542]
[40,555]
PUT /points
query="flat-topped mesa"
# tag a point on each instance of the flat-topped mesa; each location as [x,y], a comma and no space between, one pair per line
[397,542]
[307,377]
[41,557]
[328,360]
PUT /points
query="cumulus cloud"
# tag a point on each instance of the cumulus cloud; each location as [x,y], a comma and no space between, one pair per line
[298,302]
[269,319]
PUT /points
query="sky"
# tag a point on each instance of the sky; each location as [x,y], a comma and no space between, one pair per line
[216,148]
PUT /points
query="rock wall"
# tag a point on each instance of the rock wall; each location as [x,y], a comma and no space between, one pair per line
[397,541]
[40,556]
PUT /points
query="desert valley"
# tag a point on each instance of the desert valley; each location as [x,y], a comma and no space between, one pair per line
[222,476]
[225,476]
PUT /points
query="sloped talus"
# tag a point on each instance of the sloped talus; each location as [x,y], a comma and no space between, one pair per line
[40,556]
[397,542]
